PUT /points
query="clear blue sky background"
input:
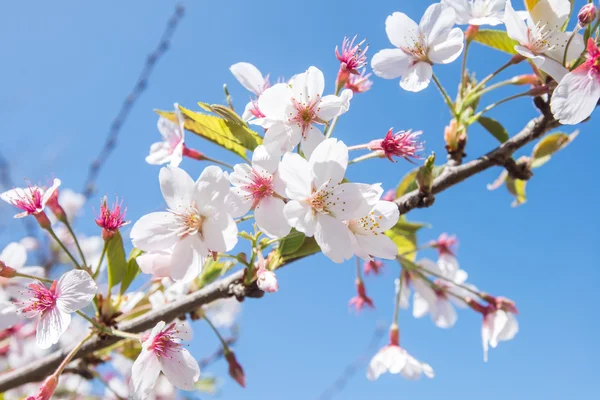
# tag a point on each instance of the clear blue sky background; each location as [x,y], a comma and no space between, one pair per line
[66,67]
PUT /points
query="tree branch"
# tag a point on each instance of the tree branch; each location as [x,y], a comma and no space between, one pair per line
[233,284]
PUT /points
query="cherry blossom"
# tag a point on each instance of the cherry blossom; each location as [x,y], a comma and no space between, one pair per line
[72,292]
[66,202]
[111,220]
[195,223]
[541,39]
[162,351]
[477,12]
[361,299]
[373,266]
[578,92]
[367,232]
[31,200]
[14,256]
[319,203]
[258,187]
[396,360]
[403,144]
[171,148]
[253,80]
[266,280]
[292,109]
[359,83]
[432,41]
[499,324]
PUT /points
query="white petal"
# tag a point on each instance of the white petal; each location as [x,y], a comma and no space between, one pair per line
[48,192]
[283,136]
[390,63]
[51,325]
[249,76]
[332,106]
[180,368]
[553,13]
[333,238]
[462,9]
[308,86]
[155,263]
[551,67]
[295,172]
[266,157]
[379,246]
[219,232]
[238,202]
[448,50]
[417,77]
[576,96]
[311,140]
[328,162]
[187,259]
[515,26]
[14,255]
[8,315]
[275,102]
[436,23]
[511,328]
[170,131]
[443,314]
[177,188]
[144,374]
[387,214]
[212,187]
[241,175]
[401,30]
[300,216]
[353,200]
[75,290]
[155,231]
[160,153]
[270,217]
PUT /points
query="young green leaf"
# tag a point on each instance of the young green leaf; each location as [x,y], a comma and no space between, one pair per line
[115,256]
[133,270]
[291,243]
[498,40]
[495,128]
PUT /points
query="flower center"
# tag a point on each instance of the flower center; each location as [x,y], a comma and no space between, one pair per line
[30,202]
[164,342]
[418,49]
[306,114]
[261,186]
[41,299]
[369,224]
[539,38]
[190,221]
[322,198]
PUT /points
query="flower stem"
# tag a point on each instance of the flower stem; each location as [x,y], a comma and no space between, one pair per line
[375,154]
[470,99]
[68,225]
[493,74]
[246,218]
[445,96]
[223,342]
[329,127]
[70,356]
[63,247]
[358,147]
[442,277]
[107,330]
[493,105]
[37,278]
[463,68]
[221,163]
[104,248]
[564,60]
[398,297]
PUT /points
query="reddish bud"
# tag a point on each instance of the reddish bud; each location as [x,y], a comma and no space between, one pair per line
[6,271]
[361,299]
[55,207]
[46,390]
[587,15]
[191,153]
[394,335]
[42,220]
[235,369]
[517,58]
[527,79]
[480,308]
[373,266]
[471,32]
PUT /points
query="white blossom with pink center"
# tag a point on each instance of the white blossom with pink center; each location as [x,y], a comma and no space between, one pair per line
[541,37]
[31,200]
[432,41]
[477,12]
[293,109]
[170,149]
[196,222]
[253,80]
[54,306]
[320,203]
[499,324]
[367,232]
[14,256]
[258,187]
[163,351]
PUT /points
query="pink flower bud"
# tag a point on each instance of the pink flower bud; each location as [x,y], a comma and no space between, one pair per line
[373,266]
[361,299]
[527,79]
[46,390]
[587,15]
[6,271]
[267,281]
[471,32]
[235,369]
[192,153]
[445,244]
[390,195]
[55,207]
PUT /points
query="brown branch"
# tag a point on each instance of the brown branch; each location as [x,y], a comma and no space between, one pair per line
[500,156]
[89,187]
[233,284]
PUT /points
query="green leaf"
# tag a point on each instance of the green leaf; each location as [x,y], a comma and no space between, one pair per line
[133,270]
[498,40]
[206,384]
[291,243]
[117,263]
[404,235]
[212,270]
[308,247]
[550,144]
[495,128]
[409,181]
[517,187]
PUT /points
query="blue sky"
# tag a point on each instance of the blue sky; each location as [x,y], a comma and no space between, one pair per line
[67,67]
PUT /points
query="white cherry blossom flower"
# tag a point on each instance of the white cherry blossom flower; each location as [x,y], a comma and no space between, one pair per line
[195,223]
[367,233]
[170,149]
[541,38]
[499,324]
[253,80]
[31,200]
[477,12]
[578,92]
[72,292]
[292,109]
[258,187]
[432,41]
[162,351]
[319,201]
[14,256]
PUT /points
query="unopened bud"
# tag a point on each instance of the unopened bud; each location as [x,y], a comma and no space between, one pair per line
[587,15]
[394,335]
[527,79]
[55,207]
[42,220]
[425,175]
[480,308]
[47,389]
[6,271]
[517,58]
[235,369]
[192,153]
[471,32]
